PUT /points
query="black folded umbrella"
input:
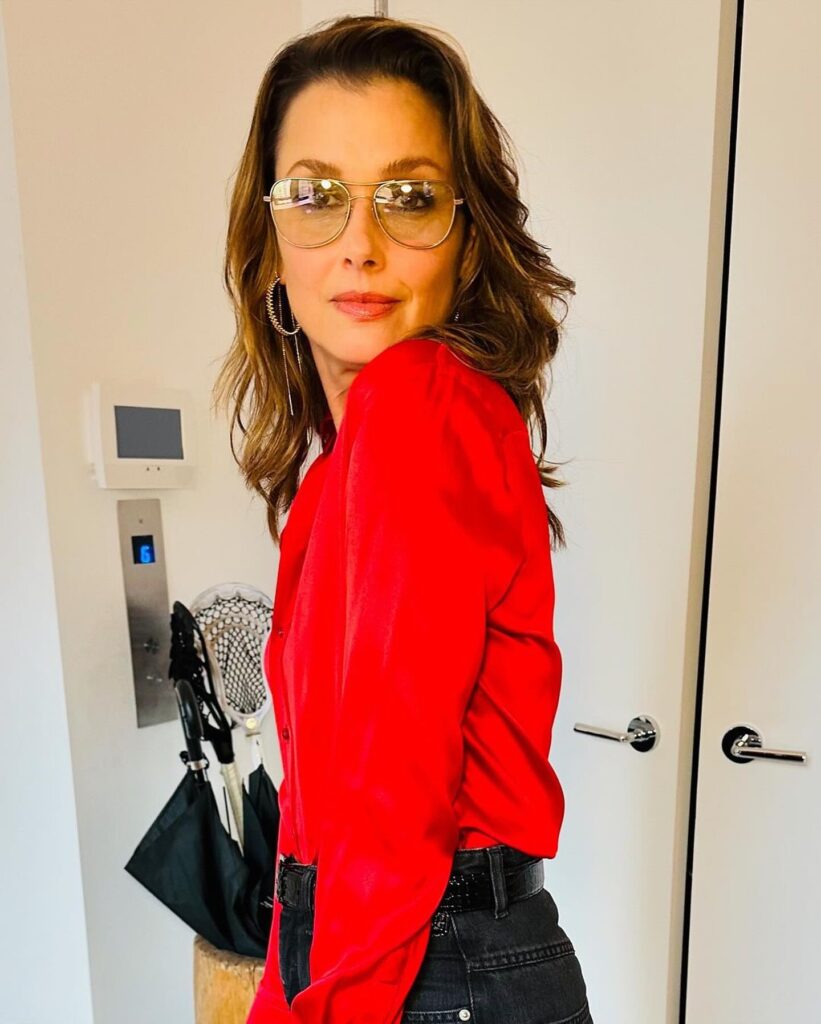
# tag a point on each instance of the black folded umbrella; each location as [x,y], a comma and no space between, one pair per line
[261,804]
[189,861]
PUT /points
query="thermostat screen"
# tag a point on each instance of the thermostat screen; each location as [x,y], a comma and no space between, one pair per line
[142,548]
[145,433]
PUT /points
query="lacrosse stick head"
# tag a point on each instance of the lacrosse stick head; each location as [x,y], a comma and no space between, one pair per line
[235,620]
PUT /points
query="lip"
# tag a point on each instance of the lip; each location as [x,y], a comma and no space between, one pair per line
[363,297]
[365,305]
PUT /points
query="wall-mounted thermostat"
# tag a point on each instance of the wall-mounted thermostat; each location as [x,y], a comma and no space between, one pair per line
[140,436]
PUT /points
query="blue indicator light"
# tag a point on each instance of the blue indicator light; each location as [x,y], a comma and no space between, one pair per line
[142,549]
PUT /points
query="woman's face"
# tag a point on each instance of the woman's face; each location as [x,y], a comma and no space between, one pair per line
[360,132]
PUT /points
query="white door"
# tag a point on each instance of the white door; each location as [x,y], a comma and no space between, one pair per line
[753,945]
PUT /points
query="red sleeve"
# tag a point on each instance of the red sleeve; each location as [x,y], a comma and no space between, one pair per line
[429,542]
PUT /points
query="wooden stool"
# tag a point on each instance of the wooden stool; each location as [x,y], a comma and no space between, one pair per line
[224,984]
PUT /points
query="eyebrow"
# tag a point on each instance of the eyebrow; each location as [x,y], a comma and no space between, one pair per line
[400,166]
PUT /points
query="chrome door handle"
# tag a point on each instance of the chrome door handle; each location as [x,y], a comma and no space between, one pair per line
[742,744]
[642,733]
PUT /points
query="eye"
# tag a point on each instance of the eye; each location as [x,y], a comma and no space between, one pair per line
[408,196]
[309,195]
[324,193]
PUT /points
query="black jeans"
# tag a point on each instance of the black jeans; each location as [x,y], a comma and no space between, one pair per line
[520,968]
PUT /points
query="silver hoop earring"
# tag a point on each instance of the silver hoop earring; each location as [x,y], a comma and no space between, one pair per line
[269,304]
[456,316]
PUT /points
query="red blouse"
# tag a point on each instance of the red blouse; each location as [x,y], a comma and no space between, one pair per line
[413,671]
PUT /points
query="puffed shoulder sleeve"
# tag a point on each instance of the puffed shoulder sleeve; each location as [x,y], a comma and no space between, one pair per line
[430,542]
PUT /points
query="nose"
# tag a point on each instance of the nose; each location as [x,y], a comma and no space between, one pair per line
[362,237]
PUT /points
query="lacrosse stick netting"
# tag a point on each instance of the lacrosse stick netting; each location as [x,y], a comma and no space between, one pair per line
[235,620]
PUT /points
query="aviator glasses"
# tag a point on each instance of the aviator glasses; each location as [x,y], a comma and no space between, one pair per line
[416,213]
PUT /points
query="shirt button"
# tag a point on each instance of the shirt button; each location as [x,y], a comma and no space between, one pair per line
[280,631]
[286,733]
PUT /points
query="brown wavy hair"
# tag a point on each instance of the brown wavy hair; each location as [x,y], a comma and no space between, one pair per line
[507,325]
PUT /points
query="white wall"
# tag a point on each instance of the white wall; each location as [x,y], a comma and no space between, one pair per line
[44,966]
[126,121]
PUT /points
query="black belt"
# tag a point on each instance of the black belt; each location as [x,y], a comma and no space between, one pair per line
[490,887]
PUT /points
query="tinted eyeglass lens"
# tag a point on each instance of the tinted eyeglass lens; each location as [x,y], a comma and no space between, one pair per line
[311,211]
[416,213]
[308,211]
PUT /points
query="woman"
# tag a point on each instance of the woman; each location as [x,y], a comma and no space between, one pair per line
[411,660]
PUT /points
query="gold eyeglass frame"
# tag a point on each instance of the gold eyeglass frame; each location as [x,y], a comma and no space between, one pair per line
[377,184]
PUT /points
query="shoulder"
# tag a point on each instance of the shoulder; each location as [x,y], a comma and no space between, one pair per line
[422,382]
[419,418]
[426,461]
